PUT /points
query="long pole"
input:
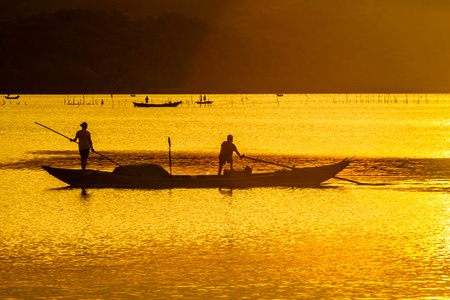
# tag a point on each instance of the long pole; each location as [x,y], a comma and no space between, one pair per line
[53,130]
[170,157]
[77,143]
[268,162]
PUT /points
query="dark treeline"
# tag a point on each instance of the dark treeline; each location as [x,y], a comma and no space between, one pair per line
[213,46]
[91,51]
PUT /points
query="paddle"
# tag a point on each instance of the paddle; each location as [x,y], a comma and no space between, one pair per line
[268,162]
[77,143]
[293,168]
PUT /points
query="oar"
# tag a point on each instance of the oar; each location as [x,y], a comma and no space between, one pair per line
[77,143]
[268,162]
[349,180]
[293,168]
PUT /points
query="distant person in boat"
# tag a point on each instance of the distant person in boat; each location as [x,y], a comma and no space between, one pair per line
[146,99]
[84,144]
[226,153]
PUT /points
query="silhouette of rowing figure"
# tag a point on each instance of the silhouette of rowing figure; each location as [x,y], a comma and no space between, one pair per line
[226,153]
[84,144]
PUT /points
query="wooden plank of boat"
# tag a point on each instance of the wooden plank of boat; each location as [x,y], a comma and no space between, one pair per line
[167,104]
[121,177]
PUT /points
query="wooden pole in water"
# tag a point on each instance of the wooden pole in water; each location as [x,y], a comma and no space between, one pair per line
[170,157]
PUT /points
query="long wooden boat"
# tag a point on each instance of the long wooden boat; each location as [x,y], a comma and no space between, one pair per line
[167,104]
[150,176]
[9,96]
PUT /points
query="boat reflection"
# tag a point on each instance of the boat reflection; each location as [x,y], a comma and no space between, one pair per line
[226,192]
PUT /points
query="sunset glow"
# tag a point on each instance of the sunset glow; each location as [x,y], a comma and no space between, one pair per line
[244,149]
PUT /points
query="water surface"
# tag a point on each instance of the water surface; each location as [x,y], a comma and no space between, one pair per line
[388,238]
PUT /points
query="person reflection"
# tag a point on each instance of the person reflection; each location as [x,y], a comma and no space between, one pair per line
[84,194]
[84,144]
[226,153]
[226,192]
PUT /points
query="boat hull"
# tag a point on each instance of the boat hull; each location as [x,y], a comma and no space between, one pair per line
[301,177]
[169,104]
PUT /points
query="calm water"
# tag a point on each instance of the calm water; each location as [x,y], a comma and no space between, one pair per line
[389,238]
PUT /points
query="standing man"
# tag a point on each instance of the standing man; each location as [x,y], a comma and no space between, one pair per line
[84,144]
[226,153]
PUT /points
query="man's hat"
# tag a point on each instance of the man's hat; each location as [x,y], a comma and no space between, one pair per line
[84,124]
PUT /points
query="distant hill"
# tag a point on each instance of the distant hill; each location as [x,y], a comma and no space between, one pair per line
[92,51]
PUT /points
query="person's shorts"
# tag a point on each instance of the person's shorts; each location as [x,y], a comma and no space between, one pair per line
[223,160]
[84,153]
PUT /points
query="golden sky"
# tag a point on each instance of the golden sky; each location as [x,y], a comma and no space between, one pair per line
[343,45]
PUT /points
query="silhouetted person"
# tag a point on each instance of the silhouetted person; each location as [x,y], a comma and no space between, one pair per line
[146,99]
[84,144]
[226,153]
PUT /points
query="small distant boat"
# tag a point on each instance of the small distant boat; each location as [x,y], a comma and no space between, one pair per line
[9,96]
[151,176]
[280,95]
[167,104]
[204,102]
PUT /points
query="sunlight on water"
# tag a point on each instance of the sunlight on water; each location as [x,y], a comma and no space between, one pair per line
[289,243]
[293,124]
[387,238]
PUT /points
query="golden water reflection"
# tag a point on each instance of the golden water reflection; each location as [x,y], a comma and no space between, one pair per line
[386,238]
[338,241]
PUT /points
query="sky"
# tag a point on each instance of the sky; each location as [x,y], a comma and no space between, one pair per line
[345,45]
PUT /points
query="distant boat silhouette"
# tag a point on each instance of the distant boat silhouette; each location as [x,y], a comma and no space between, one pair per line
[204,102]
[9,96]
[167,104]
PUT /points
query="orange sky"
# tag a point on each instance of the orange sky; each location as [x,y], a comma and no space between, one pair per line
[345,45]
[359,45]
